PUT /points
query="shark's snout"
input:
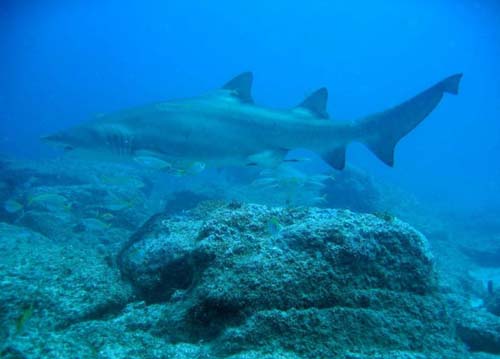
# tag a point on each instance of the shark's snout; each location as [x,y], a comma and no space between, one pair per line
[55,139]
[59,139]
[49,138]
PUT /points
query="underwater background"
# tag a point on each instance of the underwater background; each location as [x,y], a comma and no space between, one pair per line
[105,260]
[71,61]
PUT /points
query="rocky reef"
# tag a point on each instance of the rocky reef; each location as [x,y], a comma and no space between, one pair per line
[327,282]
[237,281]
[88,270]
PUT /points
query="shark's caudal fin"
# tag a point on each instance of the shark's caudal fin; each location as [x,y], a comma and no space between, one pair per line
[382,131]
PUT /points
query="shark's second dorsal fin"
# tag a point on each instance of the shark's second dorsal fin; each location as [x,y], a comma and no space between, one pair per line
[241,86]
[316,102]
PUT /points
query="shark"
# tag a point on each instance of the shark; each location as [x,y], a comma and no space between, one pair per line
[226,128]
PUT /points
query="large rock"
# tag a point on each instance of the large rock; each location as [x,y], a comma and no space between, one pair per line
[310,282]
[129,335]
[47,286]
[74,199]
[493,303]
[489,257]
[355,190]
[480,330]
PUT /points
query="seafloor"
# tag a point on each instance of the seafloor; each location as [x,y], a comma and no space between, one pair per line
[101,261]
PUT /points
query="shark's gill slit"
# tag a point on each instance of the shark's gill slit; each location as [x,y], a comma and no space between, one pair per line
[120,143]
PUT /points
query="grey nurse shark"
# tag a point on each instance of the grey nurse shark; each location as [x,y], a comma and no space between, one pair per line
[226,128]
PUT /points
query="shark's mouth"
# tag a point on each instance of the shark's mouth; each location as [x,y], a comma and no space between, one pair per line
[52,139]
[56,140]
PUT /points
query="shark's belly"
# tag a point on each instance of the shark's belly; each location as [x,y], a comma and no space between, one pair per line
[230,138]
[203,141]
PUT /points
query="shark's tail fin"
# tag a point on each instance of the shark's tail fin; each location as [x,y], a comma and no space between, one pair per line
[382,131]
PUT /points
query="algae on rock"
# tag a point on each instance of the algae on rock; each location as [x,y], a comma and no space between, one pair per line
[330,282]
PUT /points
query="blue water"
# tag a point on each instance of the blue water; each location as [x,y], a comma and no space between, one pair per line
[63,62]
[86,247]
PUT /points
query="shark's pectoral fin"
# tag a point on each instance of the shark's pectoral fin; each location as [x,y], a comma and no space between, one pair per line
[269,158]
[335,157]
[241,87]
[316,103]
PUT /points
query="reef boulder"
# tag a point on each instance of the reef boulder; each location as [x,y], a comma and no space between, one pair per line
[45,285]
[480,330]
[313,282]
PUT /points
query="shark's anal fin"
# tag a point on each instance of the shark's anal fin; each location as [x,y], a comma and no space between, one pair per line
[382,131]
[316,103]
[241,86]
[335,157]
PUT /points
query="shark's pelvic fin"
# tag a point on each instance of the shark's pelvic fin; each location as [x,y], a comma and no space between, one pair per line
[241,86]
[269,158]
[382,131]
[316,103]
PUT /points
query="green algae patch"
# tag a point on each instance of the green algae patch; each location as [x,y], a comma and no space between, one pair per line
[25,316]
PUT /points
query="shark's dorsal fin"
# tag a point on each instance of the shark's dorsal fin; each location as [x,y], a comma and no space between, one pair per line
[241,86]
[316,102]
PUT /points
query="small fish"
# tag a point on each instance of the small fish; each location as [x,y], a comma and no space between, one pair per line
[51,201]
[319,199]
[114,203]
[107,216]
[197,167]
[386,216]
[322,178]
[122,181]
[297,159]
[191,169]
[293,181]
[264,182]
[273,226]
[94,224]
[152,162]
[12,206]
[315,184]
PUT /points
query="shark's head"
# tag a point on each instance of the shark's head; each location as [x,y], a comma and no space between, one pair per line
[90,141]
[69,140]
